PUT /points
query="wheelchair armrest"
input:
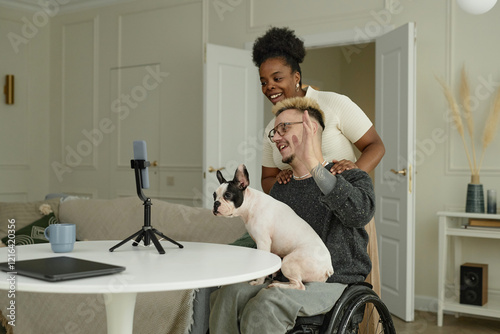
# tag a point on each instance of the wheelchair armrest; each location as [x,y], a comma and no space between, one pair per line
[316,320]
[362,283]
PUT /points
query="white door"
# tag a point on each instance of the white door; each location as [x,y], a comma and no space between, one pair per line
[233,117]
[395,193]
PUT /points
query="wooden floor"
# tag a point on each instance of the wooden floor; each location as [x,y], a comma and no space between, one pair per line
[426,322]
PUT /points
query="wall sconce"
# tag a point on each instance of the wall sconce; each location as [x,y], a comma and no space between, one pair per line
[9,89]
[476,7]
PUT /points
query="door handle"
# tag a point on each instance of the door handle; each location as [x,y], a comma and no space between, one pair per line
[154,164]
[211,169]
[402,172]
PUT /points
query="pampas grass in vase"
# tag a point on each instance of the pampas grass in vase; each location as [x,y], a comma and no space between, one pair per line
[466,123]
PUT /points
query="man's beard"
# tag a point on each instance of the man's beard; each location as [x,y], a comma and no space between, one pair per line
[289,159]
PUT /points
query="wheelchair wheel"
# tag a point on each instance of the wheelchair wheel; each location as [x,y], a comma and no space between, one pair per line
[376,319]
[360,311]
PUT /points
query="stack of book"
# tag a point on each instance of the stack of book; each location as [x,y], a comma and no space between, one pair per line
[484,224]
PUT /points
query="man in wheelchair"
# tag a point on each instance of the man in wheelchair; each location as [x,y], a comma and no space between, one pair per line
[336,206]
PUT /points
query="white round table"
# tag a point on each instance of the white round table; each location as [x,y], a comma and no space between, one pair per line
[197,265]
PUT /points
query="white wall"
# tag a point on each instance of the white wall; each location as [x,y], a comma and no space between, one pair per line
[447,38]
[322,68]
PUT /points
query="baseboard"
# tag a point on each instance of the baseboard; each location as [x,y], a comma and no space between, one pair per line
[426,304]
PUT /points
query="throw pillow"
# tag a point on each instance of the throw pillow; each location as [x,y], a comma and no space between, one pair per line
[5,328]
[24,213]
[34,232]
[245,241]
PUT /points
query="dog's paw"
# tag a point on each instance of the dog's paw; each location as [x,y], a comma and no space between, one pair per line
[257,281]
[297,285]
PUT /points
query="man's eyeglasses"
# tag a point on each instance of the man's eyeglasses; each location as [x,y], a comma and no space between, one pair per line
[281,129]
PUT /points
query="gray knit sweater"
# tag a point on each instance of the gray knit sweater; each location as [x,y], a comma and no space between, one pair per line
[338,218]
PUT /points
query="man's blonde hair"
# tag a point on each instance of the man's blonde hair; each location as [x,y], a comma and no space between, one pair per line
[301,104]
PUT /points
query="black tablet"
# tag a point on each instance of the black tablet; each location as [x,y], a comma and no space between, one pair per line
[60,268]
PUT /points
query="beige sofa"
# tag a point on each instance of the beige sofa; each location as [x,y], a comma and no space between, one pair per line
[162,312]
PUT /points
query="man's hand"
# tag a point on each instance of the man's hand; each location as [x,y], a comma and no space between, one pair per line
[306,151]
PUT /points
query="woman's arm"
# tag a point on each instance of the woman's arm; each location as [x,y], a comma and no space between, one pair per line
[268,178]
[372,150]
[272,175]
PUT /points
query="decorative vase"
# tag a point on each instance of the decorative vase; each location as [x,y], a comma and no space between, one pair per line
[475,196]
[491,201]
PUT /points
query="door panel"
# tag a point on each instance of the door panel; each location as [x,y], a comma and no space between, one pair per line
[395,175]
[233,120]
[136,115]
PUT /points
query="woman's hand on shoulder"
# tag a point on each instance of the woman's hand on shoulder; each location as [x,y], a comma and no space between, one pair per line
[284,176]
[342,165]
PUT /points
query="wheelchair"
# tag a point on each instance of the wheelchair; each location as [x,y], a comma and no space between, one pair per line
[358,310]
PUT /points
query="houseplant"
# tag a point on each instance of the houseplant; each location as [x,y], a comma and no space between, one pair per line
[475,194]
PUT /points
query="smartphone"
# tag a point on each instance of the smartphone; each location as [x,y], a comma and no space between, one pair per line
[141,153]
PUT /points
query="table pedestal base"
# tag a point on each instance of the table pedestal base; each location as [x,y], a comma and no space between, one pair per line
[120,312]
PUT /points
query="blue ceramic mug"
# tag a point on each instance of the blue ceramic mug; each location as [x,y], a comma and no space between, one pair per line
[61,236]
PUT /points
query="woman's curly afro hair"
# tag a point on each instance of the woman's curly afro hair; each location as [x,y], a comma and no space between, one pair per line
[279,43]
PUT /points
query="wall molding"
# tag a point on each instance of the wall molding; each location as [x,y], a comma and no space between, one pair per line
[15,167]
[19,114]
[451,166]
[14,196]
[95,97]
[74,6]
[328,17]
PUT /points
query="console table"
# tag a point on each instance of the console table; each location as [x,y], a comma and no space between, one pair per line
[451,230]
[197,265]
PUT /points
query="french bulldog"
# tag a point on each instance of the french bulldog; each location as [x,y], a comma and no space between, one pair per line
[275,228]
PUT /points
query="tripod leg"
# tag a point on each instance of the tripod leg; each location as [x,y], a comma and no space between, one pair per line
[138,239]
[167,238]
[124,241]
[155,241]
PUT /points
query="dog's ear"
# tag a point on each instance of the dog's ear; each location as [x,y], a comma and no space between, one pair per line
[220,177]
[241,177]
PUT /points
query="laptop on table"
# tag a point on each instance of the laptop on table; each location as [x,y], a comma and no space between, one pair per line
[60,268]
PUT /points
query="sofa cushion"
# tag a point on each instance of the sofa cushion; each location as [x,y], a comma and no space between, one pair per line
[24,213]
[181,222]
[116,219]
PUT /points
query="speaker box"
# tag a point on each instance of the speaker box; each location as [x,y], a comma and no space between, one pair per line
[474,284]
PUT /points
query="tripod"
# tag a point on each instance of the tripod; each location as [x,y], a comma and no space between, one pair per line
[147,232]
